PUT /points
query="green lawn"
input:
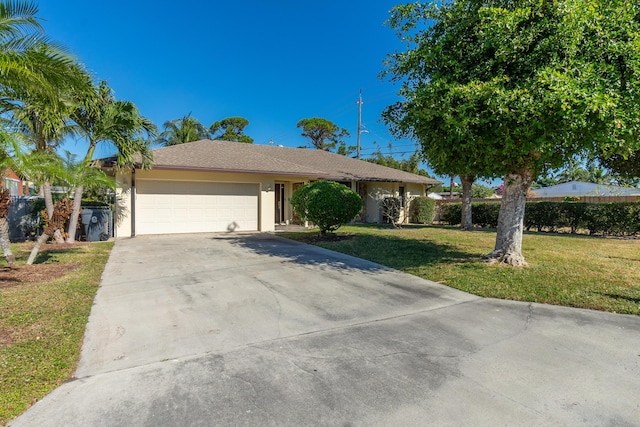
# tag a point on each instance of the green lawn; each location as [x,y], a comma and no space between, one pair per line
[42,320]
[576,271]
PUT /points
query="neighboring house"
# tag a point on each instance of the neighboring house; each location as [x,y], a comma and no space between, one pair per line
[15,184]
[578,189]
[212,186]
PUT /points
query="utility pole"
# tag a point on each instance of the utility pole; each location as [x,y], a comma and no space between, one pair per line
[359,123]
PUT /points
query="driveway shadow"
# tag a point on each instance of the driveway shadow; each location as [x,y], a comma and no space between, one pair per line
[301,253]
[390,251]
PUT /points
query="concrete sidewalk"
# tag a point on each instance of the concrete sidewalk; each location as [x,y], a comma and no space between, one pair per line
[258,330]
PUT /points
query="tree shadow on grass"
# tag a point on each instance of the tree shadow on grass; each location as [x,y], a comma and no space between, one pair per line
[50,255]
[621,297]
[366,252]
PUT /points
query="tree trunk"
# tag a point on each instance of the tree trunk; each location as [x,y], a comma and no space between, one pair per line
[73,220]
[508,249]
[48,203]
[48,198]
[466,220]
[5,244]
[5,203]
[61,212]
[42,239]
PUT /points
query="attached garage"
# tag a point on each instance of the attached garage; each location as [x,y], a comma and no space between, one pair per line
[220,186]
[167,207]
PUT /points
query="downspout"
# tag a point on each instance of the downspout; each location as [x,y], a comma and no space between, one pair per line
[133,202]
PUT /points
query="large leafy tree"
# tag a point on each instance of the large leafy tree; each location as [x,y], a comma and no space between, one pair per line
[624,167]
[529,85]
[231,129]
[180,131]
[325,135]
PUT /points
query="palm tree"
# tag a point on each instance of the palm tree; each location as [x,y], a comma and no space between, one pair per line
[61,211]
[180,131]
[29,61]
[598,175]
[99,117]
[36,166]
[5,201]
[80,176]
[39,81]
[573,172]
[46,166]
[44,125]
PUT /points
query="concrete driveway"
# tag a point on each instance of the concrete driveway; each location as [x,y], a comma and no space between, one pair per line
[255,330]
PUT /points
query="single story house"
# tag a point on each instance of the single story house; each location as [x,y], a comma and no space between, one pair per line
[580,189]
[212,186]
[14,183]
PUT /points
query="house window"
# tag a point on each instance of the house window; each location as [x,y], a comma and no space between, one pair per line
[12,185]
[401,195]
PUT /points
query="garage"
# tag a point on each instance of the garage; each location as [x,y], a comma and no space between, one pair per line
[168,207]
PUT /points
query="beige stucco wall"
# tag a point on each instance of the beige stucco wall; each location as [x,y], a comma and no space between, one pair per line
[379,190]
[266,197]
[122,214]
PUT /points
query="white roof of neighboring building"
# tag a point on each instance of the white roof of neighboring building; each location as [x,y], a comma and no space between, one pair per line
[577,188]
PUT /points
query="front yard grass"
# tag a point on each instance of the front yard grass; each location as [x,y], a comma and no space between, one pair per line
[575,271]
[44,310]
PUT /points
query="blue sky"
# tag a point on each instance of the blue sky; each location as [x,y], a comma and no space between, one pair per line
[272,62]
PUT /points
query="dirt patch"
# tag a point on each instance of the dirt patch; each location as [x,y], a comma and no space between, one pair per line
[5,337]
[23,274]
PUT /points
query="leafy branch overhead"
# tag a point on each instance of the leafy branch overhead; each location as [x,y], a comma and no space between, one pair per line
[510,89]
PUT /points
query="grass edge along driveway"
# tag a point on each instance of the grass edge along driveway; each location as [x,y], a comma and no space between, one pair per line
[569,270]
[44,309]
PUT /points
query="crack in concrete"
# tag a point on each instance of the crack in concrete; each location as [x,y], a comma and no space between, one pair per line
[529,317]
[275,297]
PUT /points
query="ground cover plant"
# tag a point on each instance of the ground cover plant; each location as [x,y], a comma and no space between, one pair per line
[44,309]
[576,271]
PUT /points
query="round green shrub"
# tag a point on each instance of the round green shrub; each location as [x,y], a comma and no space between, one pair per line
[422,210]
[327,204]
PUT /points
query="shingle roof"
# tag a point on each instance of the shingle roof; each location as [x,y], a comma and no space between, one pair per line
[224,156]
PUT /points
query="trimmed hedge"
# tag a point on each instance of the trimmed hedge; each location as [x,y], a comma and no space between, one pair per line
[607,219]
[422,210]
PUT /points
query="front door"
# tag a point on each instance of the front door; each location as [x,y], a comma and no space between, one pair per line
[280,216]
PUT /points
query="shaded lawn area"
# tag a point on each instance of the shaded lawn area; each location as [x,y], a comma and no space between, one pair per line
[44,310]
[575,271]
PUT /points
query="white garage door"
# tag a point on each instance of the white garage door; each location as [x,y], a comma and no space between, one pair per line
[165,207]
